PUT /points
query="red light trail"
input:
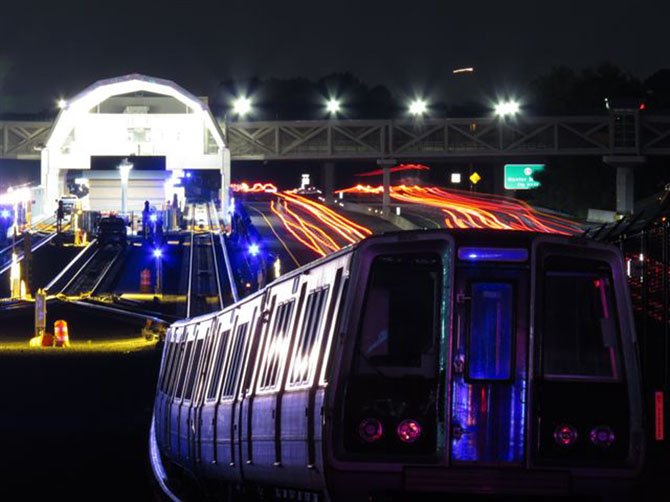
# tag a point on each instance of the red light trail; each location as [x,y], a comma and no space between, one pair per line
[329,232]
[255,188]
[401,167]
[468,210]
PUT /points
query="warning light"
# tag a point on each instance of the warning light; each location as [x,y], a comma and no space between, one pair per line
[642,106]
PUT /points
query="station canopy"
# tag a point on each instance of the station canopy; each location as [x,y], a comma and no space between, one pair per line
[132,115]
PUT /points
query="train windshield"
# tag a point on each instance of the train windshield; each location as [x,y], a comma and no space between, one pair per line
[580,326]
[400,323]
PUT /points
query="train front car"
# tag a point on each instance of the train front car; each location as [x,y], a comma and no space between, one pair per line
[484,363]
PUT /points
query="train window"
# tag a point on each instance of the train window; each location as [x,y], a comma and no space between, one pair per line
[173,361]
[217,373]
[491,335]
[304,353]
[190,381]
[167,362]
[276,347]
[236,359]
[208,356]
[179,391]
[400,317]
[172,377]
[579,324]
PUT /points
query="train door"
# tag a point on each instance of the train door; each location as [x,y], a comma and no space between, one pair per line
[489,365]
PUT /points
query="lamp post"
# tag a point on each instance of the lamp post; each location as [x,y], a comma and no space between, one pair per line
[158,254]
[124,170]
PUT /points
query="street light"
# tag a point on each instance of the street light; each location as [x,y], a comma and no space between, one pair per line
[124,170]
[242,106]
[505,108]
[333,106]
[418,107]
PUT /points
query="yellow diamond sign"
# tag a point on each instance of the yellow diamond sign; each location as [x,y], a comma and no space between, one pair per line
[475,177]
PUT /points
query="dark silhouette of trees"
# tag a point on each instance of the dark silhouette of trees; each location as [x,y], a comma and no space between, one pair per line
[564,91]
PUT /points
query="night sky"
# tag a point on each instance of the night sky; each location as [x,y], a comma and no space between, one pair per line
[50,49]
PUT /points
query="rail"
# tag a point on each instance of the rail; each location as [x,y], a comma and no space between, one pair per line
[38,245]
[99,263]
[190,267]
[213,245]
[70,265]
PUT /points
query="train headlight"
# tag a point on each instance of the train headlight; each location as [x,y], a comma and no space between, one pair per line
[602,436]
[408,431]
[565,435]
[370,430]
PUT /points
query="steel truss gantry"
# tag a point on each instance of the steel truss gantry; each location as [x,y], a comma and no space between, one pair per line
[423,139]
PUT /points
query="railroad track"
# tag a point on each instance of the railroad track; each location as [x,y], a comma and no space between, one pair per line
[93,271]
[205,293]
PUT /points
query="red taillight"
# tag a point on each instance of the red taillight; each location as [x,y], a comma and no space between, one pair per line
[409,431]
[565,435]
[602,436]
[370,430]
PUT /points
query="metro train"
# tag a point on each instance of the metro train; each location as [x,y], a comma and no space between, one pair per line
[421,362]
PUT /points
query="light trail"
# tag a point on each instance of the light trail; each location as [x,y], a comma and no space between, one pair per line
[255,188]
[467,210]
[395,169]
[314,225]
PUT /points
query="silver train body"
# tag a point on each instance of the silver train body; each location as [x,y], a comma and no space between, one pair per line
[427,362]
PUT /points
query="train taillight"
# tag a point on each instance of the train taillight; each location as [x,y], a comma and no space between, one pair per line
[602,436]
[408,431]
[565,435]
[370,430]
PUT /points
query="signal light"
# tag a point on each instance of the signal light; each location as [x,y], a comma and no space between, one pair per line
[565,435]
[408,431]
[602,436]
[370,430]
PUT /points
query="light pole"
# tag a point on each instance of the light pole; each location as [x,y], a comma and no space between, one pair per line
[158,254]
[124,170]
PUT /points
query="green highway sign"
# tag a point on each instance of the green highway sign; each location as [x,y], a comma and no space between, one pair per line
[520,176]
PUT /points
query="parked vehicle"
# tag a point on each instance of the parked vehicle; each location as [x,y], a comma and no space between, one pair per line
[112,230]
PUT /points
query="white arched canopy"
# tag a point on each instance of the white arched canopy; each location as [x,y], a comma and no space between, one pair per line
[133,115]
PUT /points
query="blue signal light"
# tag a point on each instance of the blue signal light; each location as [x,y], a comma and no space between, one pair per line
[492,254]
[188,175]
[4,213]
[254,249]
[153,218]
[158,253]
